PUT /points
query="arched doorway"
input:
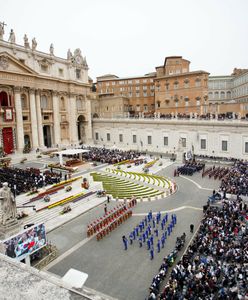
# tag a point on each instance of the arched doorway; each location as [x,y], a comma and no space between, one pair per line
[27,140]
[4,99]
[81,130]
[47,136]
[8,141]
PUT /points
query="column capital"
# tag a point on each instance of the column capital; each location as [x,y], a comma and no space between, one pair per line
[17,89]
[72,95]
[38,92]
[55,93]
[32,91]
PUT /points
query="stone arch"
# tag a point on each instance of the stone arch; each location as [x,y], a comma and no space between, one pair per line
[27,140]
[4,99]
[81,122]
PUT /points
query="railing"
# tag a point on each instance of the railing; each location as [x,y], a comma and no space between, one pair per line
[182,119]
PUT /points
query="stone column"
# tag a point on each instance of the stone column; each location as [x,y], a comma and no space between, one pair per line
[34,126]
[89,138]
[39,120]
[19,120]
[72,119]
[56,119]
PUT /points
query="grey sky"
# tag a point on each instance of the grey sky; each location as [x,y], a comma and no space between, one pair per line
[132,37]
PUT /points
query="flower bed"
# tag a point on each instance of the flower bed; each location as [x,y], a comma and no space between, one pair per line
[151,163]
[58,166]
[122,162]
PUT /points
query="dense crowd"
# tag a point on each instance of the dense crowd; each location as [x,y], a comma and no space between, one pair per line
[208,116]
[110,156]
[212,157]
[22,181]
[215,265]
[236,181]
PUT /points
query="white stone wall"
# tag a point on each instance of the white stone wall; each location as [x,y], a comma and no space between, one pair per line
[235,132]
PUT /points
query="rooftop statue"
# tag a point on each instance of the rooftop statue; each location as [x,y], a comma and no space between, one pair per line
[26,42]
[51,49]
[2,30]
[12,38]
[34,44]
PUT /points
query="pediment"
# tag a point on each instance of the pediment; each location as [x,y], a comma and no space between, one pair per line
[9,63]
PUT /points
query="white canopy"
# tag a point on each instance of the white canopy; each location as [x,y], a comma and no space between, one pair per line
[69,152]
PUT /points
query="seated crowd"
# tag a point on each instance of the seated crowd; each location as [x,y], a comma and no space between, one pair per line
[215,264]
[27,180]
[236,180]
[110,156]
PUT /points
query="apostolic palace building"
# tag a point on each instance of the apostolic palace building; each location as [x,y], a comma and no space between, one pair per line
[48,102]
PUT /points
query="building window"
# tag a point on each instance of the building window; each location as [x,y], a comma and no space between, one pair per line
[145,107]
[246,147]
[134,138]
[97,136]
[25,118]
[79,104]
[61,72]
[137,81]
[166,141]
[224,145]
[44,102]
[176,85]
[44,68]
[145,94]
[46,118]
[137,88]
[184,142]
[137,94]
[149,140]
[108,137]
[197,82]
[121,138]
[203,144]
[186,84]
[78,73]
[24,102]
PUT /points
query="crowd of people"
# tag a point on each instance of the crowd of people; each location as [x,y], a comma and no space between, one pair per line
[215,264]
[215,158]
[110,156]
[236,180]
[208,116]
[164,268]
[22,181]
